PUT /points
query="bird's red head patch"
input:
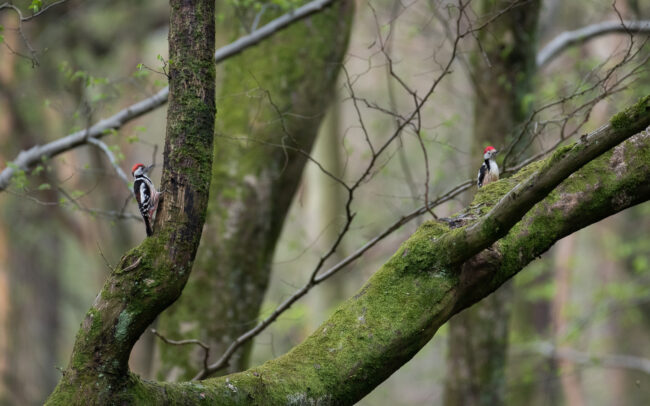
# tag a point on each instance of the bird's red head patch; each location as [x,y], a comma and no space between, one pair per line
[485,151]
[136,166]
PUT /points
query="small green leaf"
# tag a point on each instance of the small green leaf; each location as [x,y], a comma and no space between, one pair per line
[36,5]
[44,186]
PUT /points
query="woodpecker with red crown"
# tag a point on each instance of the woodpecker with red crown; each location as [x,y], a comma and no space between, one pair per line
[489,171]
[145,194]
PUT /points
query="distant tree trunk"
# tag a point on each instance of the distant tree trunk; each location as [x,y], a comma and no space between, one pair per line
[272,100]
[326,206]
[33,273]
[478,337]
[569,375]
[34,313]
[30,280]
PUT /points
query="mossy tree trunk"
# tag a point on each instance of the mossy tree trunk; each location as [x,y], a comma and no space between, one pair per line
[273,98]
[151,276]
[435,274]
[504,70]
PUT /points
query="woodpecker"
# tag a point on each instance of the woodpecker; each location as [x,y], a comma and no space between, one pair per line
[489,171]
[145,194]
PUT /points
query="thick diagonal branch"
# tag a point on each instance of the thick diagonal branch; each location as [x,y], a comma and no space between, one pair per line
[404,303]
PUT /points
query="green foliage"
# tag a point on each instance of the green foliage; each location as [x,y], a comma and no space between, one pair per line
[19,180]
[140,71]
[36,5]
[82,76]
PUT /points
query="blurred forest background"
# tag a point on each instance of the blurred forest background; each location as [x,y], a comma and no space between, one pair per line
[571,329]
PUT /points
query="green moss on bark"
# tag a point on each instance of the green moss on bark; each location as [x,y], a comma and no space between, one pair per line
[624,119]
[271,106]
[150,277]
[402,305]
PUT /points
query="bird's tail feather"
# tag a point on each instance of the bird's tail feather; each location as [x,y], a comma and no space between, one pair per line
[148,226]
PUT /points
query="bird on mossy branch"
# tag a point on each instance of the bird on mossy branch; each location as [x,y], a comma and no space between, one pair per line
[489,171]
[145,194]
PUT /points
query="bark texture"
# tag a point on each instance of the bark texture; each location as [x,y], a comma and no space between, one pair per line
[150,277]
[503,71]
[272,108]
[436,273]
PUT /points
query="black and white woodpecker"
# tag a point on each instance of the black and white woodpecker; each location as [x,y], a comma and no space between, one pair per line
[145,194]
[489,171]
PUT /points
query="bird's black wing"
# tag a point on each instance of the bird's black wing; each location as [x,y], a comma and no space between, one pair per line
[482,172]
[143,197]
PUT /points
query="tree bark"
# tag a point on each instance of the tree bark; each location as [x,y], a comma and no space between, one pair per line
[273,107]
[478,337]
[150,277]
[436,273]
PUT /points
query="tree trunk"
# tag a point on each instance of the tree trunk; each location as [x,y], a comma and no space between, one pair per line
[436,273]
[478,337]
[150,277]
[272,108]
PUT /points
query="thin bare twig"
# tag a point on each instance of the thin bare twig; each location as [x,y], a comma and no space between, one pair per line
[206,348]
[316,278]
[111,157]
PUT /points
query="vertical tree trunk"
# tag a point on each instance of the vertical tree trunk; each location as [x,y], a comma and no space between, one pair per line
[569,375]
[326,206]
[478,337]
[150,277]
[272,100]
[29,280]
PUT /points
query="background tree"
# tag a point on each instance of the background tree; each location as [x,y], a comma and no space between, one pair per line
[421,122]
[503,73]
[274,106]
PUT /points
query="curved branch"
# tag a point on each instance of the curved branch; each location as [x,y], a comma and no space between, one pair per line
[570,38]
[151,276]
[111,157]
[404,303]
[28,158]
[270,28]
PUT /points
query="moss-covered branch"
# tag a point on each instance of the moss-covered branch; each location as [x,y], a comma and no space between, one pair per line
[150,277]
[401,307]
[510,209]
[253,183]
